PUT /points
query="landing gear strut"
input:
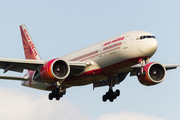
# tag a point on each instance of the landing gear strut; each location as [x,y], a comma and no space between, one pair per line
[143,63]
[111,95]
[58,92]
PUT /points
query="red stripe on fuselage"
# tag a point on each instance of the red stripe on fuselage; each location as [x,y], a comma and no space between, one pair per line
[100,54]
[83,57]
[112,46]
[86,55]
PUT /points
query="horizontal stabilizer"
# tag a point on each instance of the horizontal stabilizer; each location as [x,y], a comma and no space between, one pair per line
[14,78]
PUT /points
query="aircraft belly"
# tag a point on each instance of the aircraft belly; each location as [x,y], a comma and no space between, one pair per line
[108,59]
[38,85]
[103,73]
[83,80]
[114,68]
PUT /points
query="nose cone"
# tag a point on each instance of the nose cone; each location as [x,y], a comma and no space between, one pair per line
[149,47]
[152,47]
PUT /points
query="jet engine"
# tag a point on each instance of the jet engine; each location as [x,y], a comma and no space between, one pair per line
[154,74]
[55,70]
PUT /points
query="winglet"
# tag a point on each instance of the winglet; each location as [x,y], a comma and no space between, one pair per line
[30,50]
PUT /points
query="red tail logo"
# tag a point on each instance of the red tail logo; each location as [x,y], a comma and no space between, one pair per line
[29,48]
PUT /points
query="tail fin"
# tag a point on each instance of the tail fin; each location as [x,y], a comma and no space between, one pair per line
[30,50]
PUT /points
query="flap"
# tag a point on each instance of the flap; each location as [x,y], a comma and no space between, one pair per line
[76,67]
[76,63]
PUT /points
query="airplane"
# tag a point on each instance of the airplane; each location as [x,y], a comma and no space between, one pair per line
[106,63]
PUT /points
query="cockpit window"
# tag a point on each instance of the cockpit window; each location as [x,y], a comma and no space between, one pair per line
[147,36]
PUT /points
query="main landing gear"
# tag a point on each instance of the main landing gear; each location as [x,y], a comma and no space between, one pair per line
[58,92]
[111,95]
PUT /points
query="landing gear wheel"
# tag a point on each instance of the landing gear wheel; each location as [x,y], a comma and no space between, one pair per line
[111,95]
[50,96]
[58,97]
[111,99]
[117,92]
[57,93]
[104,98]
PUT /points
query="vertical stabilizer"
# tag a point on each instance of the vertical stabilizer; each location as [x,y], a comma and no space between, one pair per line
[30,50]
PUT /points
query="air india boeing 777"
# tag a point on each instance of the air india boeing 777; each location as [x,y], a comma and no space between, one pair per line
[105,63]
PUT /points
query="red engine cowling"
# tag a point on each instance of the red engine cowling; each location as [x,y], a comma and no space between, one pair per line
[154,74]
[54,70]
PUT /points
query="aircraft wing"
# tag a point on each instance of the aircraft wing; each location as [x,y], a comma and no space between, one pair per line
[171,66]
[18,65]
[167,66]
[121,75]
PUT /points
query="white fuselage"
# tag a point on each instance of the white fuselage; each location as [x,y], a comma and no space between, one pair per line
[112,50]
[111,55]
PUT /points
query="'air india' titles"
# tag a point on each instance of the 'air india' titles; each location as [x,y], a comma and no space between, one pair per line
[113,41]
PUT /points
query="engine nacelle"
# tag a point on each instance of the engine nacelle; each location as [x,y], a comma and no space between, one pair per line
[154,74]
[55,70]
